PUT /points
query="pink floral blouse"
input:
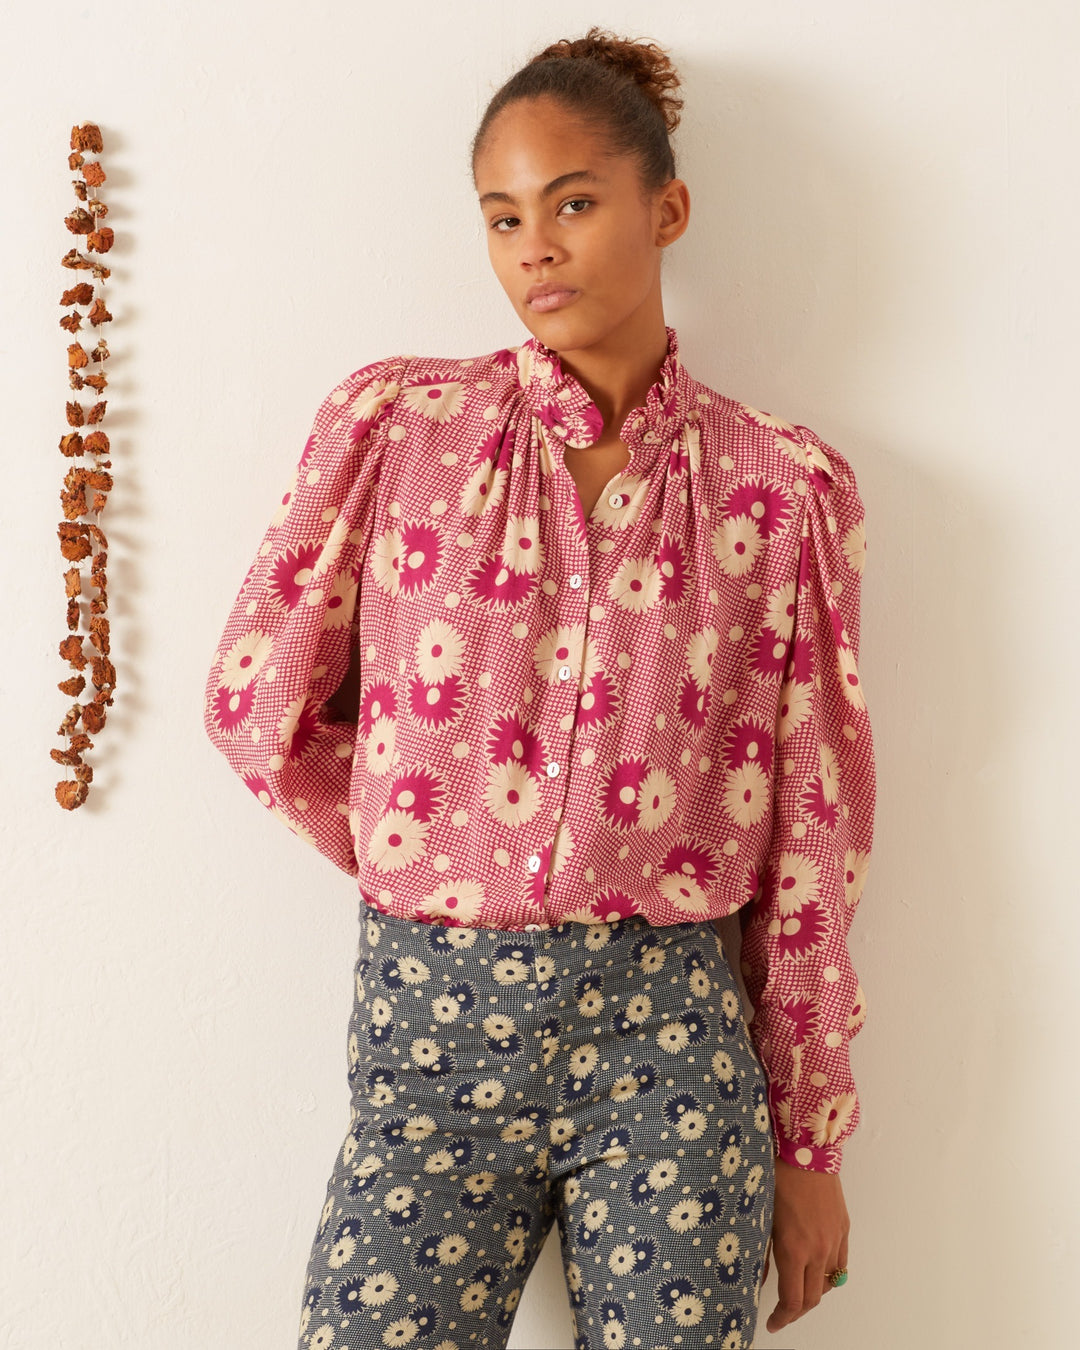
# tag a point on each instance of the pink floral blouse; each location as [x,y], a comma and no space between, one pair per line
[653,711]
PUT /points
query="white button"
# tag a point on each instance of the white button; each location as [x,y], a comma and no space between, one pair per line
[575,580]
[532,928]
[553,769]
[532,862]
[615,499]
[565,672]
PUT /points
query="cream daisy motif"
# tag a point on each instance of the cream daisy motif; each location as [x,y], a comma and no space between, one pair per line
[521,548]
[855,546]
[512,793]
[856,870]
[439,652]
[830,773]
[483,489]
[341,602]
[795,706]
[764,419]
[636,585]
[700,652]
[397,840]
[798,880]
[780,611]
[745,797]
[243,661]
[656,799]
[387,560]
[328,555]
[435,402]
[737,544]
[559,647]
[632,491]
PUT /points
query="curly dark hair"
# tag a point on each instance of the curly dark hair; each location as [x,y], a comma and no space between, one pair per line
[624,89]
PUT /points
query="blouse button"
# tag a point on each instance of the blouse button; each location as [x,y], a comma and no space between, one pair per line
[575,580]
[564,672]
[552,769]
[532,928]
[533,862]
[615,499]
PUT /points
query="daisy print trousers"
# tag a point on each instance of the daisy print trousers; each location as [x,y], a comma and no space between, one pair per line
[598,1076]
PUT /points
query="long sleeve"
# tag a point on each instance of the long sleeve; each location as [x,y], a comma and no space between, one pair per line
[286,643]
[808,1002]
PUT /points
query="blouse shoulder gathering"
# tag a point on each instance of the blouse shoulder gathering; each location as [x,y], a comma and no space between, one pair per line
[656,710]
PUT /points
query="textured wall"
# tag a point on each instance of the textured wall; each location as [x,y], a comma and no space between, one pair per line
[882,246]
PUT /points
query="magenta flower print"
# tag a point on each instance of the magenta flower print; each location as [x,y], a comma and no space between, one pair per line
[598,704]
[672,570]
[377,701]
[245,658]
[748,740]
[618,792]
[767,505]
[610,906]
[419,793]
[230,708]
[436,706]
[494,584]
[421,555]
[511,738]
[693,704]
[290,573]
[259,787]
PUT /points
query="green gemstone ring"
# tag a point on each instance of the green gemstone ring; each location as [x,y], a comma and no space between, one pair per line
[838,1277]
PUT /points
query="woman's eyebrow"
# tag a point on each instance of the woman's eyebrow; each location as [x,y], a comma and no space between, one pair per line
[578,175]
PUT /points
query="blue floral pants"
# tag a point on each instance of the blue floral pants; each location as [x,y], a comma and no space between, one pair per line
[600,1076]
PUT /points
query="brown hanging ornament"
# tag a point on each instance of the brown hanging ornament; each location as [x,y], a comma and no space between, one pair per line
[88,483]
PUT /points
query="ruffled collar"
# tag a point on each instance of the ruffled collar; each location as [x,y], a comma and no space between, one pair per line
[563,406]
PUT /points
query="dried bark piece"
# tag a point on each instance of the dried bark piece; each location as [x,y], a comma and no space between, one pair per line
[98,312]
[66,756]
[97,535]
[97,207]
[104,673]
[86,137]
[97,443]
[100,241]
[74,686]
[98,478]
[93,717]
[71,720]
[99,603]
[99,635]
[77,358]
[73,258]
[71,323]
[79,222]
[97,503]
[80,294]
[71,444]
[71,650]
[101,351]
[81,741]
[97,411]
[84,774]
[72,582]
[97,381]
[80,189]
[71,794]
[93,173]
[72,615]
[74,541]
[73,501]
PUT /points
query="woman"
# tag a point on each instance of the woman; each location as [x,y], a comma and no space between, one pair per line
[554,651]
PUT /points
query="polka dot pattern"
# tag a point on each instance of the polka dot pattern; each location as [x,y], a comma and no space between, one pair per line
[654,711]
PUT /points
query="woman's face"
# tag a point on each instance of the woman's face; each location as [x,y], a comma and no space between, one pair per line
[592,234]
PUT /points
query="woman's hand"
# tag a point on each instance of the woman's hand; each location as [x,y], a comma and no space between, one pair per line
[809,1239]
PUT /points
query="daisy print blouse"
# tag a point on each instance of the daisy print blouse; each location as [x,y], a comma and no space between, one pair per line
[656,710]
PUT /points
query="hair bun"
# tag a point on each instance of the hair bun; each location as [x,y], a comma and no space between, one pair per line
[647,64]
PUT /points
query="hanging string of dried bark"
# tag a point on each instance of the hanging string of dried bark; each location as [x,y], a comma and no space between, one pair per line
[81,539]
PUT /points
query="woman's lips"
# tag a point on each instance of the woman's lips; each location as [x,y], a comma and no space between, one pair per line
[553,300]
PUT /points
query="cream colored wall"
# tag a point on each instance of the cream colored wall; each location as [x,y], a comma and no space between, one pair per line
[882,247]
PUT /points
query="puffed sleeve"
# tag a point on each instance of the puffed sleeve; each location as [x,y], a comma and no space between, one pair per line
[808,1002]
[286,643]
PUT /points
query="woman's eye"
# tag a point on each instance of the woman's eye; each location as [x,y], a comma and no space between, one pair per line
[574,201]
